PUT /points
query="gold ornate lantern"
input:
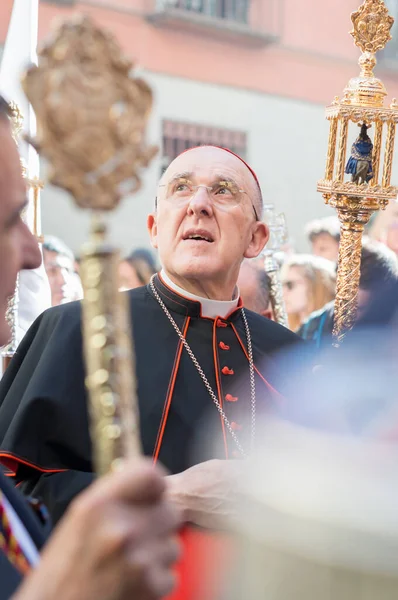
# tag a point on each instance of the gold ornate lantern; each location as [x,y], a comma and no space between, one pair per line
[91,114]
[369,188]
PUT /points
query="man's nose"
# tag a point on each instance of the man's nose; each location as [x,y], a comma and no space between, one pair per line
[31,252]
[200,203]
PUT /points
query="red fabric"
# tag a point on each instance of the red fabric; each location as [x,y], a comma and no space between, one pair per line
[204,566]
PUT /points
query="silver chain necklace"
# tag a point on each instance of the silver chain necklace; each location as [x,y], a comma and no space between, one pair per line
[205,380]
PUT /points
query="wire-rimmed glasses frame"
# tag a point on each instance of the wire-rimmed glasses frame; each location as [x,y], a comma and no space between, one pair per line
[185,195]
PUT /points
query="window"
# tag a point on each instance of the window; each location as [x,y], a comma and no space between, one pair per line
[178,137]
[230,10]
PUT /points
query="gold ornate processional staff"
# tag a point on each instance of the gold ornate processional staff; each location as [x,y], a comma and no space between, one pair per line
[370,186]
[272,260]
[91,115]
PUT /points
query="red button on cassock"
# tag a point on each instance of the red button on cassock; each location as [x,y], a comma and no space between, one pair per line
[230,398]
[227,371]
[223,346]
[221,323]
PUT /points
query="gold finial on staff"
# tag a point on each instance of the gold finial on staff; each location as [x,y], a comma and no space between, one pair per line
[91,115]
[370,186]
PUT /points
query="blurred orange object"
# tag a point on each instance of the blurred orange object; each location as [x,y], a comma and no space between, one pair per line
[206,559]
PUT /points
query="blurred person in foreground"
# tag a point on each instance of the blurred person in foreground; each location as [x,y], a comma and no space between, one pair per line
[379,269]
[136,269]
[323,523]
[324,237]
[254,287]
[115,542]
[309,282]
[59,263]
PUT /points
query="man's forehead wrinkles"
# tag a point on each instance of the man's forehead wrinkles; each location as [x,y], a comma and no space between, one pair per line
[210,171]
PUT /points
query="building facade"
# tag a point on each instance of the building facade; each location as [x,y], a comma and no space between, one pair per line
[253,75]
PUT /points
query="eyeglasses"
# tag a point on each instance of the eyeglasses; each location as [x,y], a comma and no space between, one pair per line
[223,194]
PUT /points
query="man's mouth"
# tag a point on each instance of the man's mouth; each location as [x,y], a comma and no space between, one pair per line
[198,235]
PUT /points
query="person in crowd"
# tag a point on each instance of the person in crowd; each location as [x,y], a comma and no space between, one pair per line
[61,271]
[136,269]
[379,270]
[384,227]
[324,237]
[254,287]
[117,540]
[308,284]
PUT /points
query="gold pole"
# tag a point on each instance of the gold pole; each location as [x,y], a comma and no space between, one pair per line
[112,106]
[331,148]
[349,274]
[388,156]
[377,152]
[342,153]
[111,379]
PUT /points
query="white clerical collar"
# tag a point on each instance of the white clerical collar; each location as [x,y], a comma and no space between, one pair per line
[210,308]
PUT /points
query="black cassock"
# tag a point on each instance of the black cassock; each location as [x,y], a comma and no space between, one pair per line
[44,435]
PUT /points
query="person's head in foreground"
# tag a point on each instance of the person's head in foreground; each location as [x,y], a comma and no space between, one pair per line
[324,237]
[323,523]
[207,220]
[18,247]
[254,287]
[115,543]
[136,269]
[308,284]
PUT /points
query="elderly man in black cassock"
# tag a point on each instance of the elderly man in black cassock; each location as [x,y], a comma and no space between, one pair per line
[203,362]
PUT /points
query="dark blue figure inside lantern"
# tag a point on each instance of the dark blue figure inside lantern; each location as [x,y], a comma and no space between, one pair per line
[360,162]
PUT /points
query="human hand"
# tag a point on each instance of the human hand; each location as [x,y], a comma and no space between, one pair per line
[208,494]
[116,542]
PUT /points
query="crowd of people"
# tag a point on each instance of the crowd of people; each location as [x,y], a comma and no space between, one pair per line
[308,279]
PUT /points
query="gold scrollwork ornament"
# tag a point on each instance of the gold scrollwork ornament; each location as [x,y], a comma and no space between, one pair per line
[91,115]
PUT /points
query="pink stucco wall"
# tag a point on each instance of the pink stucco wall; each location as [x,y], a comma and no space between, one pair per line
[312,61]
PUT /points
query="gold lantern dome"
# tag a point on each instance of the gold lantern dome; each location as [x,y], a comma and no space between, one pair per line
[365,90]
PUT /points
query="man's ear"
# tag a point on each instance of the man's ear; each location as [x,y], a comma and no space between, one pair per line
[152,226]
[260,236]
